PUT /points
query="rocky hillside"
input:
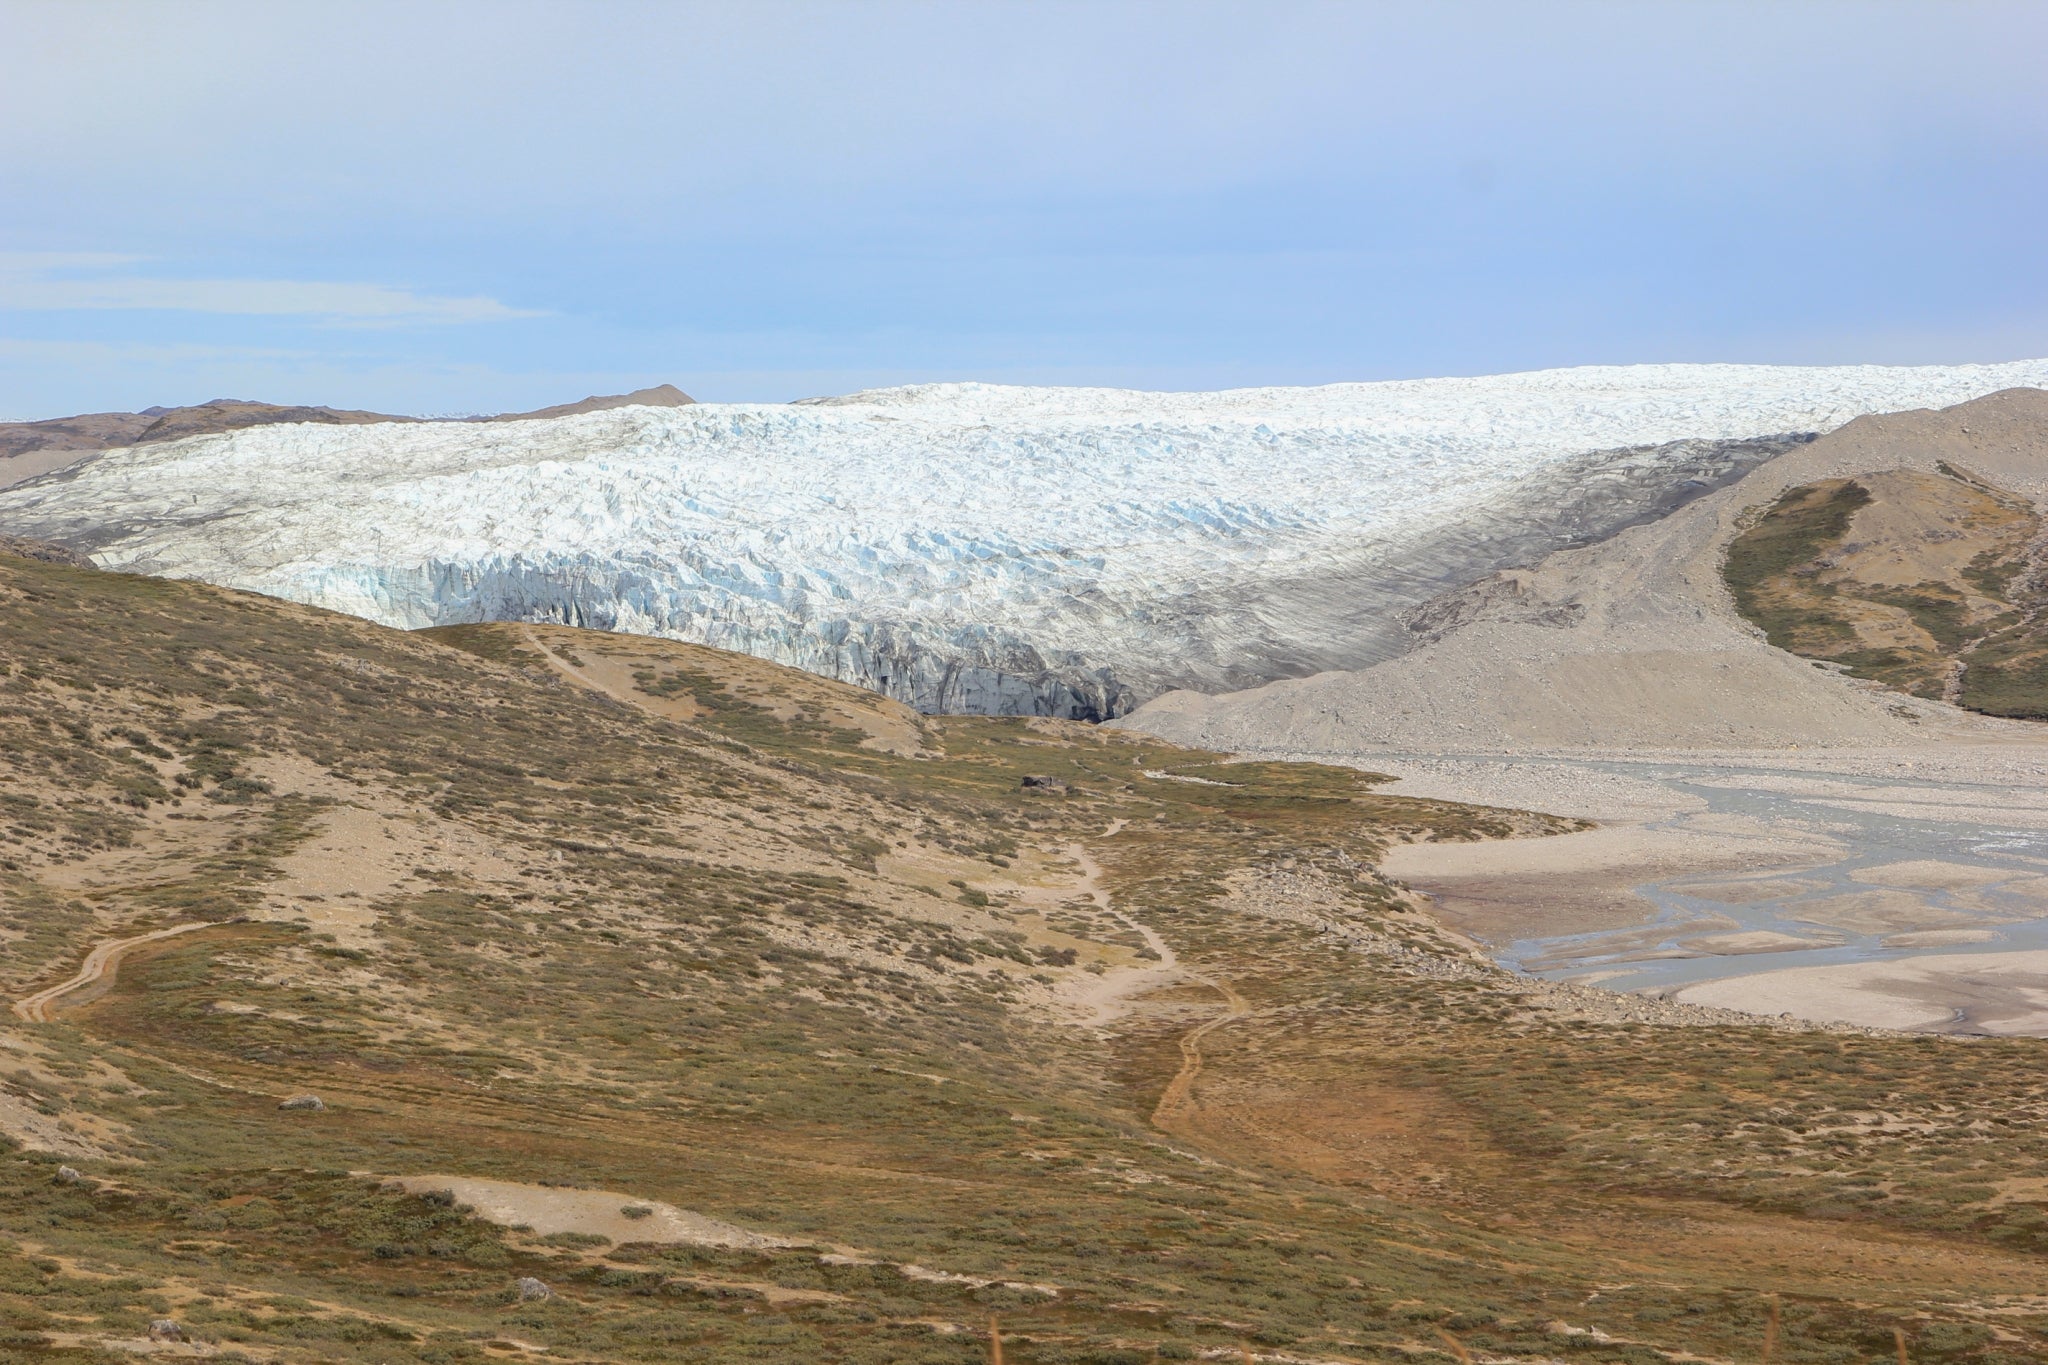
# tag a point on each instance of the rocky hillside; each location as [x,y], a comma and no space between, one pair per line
[503,992]
[1928,582]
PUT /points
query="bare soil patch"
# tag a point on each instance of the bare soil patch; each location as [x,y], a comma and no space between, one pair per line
[550,1210]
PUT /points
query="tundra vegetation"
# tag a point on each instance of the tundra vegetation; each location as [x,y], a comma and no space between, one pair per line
[1141,1057]
[1929,582]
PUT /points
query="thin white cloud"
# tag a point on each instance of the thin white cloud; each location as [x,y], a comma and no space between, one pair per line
[70,281]
[25,351]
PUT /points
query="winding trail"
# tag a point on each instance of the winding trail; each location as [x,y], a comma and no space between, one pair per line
[1107,997]
[1177,1101]
[570,671]
[100,964]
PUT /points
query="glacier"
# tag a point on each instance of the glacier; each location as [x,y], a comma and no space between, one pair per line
[969,547]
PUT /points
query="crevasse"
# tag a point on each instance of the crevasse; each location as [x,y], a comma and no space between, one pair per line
[968,547]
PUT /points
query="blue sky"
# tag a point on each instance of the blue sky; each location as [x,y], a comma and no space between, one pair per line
[459,207]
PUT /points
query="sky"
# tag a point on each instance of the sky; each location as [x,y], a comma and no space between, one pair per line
[456,207]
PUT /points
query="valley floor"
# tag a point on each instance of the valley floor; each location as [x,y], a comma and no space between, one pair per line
[1892,888]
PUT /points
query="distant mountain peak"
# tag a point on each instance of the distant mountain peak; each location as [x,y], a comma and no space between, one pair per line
[660,396]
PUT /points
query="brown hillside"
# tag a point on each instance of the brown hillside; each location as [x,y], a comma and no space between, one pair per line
[1930,582]
[660,396]
[759,1018]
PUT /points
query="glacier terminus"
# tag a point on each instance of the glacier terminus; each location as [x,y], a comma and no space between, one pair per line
[969,547]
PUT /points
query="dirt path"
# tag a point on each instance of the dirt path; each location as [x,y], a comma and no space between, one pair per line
[1177,1100]
[1106,998]
[100,964]
[1094,889]
[570,671]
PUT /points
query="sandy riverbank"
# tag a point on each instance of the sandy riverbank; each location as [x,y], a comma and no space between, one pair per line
[1869,887]
[1999,993]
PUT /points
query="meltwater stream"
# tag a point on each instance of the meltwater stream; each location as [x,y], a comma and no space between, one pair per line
[1903,885]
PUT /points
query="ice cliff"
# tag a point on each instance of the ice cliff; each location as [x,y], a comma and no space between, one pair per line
[968,547]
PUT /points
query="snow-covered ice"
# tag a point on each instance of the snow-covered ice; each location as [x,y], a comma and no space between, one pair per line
[964,546]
